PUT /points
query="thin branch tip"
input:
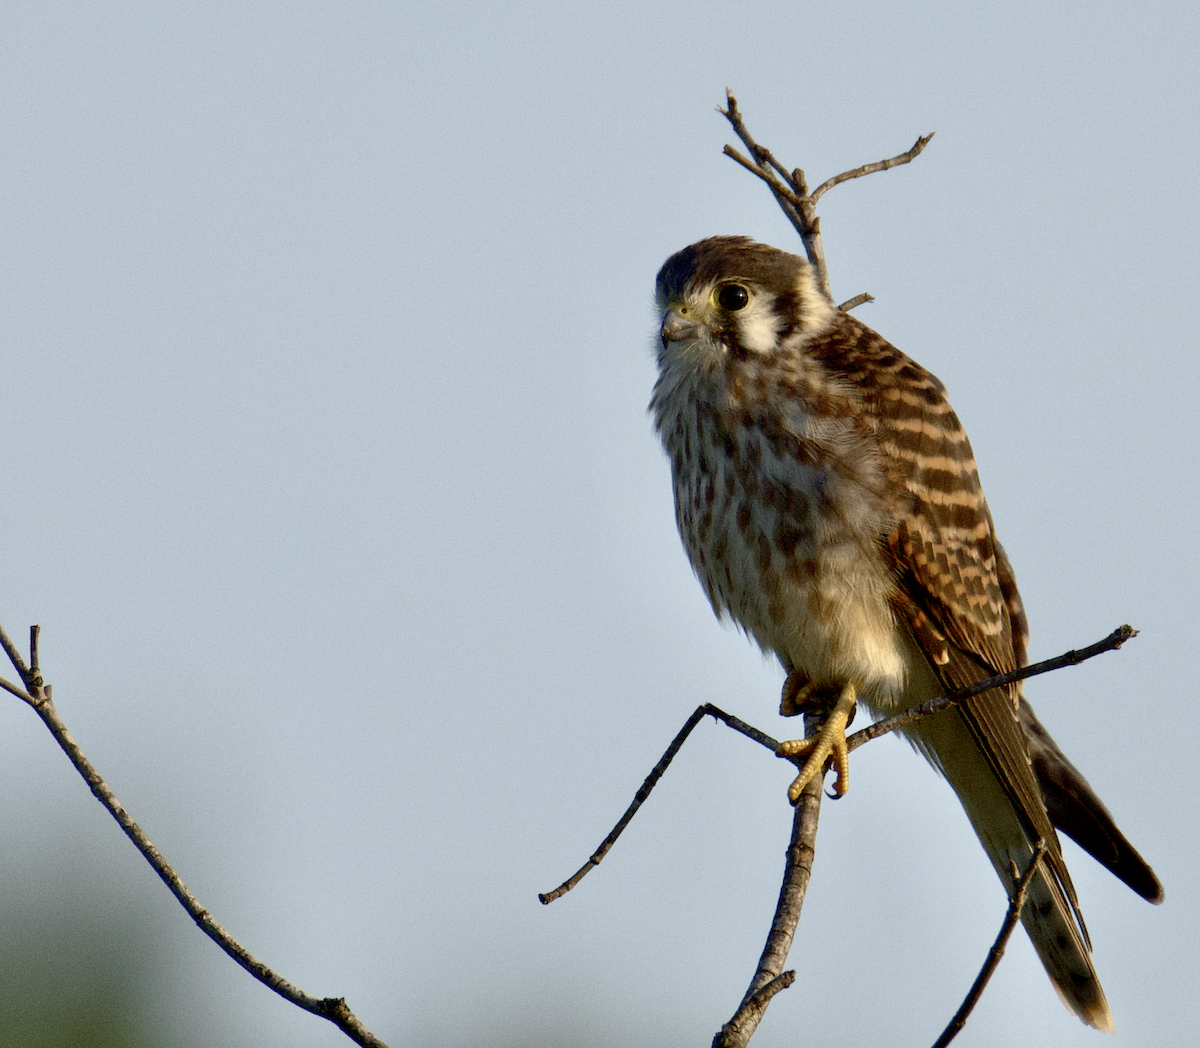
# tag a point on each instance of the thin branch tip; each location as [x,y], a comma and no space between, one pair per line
[14,656]
[856,301]
[1070,658]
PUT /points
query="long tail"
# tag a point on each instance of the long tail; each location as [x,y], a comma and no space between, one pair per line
[1050,915]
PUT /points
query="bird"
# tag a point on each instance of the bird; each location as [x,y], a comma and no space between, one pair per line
[829,503]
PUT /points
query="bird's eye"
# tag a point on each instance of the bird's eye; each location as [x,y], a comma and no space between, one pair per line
[733,297]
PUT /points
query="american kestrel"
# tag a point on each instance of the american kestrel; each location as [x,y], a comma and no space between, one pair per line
[829,503]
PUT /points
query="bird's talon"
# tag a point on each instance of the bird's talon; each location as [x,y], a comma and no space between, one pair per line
[798,691]
[828,743]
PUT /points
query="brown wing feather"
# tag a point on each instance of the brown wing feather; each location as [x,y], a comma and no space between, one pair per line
[944,553]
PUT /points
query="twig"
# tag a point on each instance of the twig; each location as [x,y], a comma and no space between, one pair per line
[741,1027]
[909,155]
[14,690]
[38,695]
[14,656]
[791,190]
[1070,658]
[769,977]
[996,952]
[856,301]
[882,727]
[707,710]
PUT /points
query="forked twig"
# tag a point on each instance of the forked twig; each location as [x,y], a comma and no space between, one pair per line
[881,727]
[996,952]
[38,695]
[790,189]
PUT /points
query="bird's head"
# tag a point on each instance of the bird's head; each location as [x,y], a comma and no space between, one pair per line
[731,298]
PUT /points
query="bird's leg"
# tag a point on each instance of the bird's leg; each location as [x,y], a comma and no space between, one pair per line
[829,741]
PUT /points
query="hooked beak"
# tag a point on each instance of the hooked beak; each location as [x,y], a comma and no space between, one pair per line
[676,327]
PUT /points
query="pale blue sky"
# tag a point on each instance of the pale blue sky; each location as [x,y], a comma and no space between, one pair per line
[327,339]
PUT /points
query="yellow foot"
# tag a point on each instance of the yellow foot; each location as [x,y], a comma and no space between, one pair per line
[830,741]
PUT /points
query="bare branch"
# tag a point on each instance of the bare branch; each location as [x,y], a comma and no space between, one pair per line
[785,197]
[859,738]
[996,952]
[1070,658]
[18,692]
[14,656]
[769,977]
[789,190]
[760,153]
[777,187]
[39,697]
[883,727]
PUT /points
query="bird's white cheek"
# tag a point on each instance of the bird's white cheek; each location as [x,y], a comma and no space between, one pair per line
[759,330]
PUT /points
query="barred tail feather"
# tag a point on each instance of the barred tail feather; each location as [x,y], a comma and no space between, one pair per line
[1055,934]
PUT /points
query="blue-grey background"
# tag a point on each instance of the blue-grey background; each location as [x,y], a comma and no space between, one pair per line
[327,473]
